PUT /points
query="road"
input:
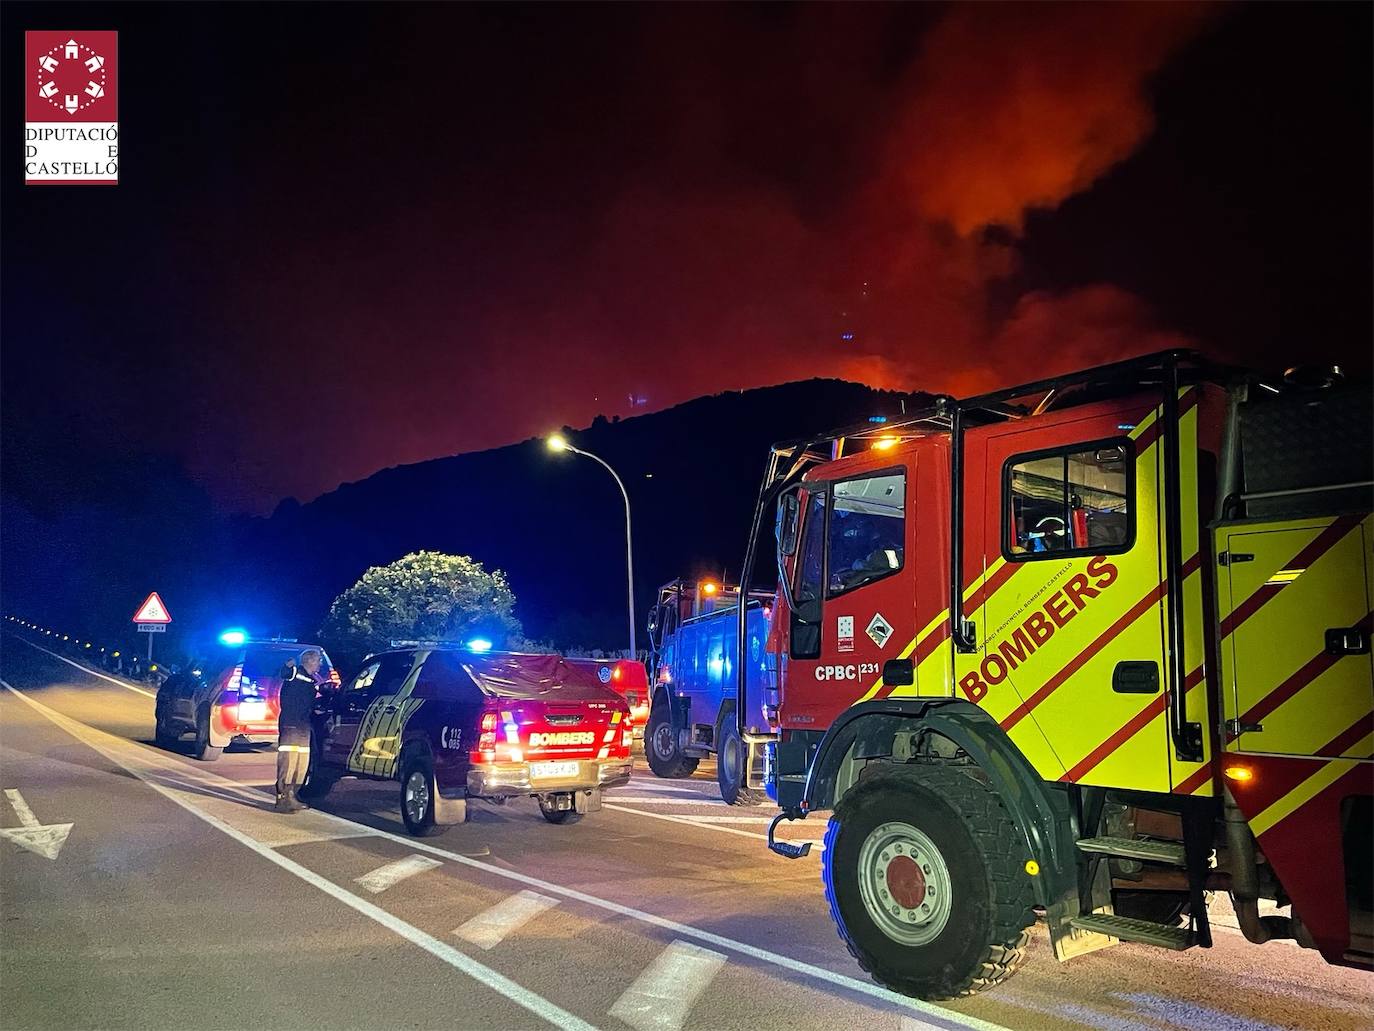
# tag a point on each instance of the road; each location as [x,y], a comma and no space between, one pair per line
[178,900]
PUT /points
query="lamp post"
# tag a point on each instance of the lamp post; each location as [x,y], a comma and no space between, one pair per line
[558,443]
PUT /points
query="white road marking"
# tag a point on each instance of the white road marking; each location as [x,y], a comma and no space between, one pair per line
[518,994]
[384,877]
[663,995]
[654,800]
[641,783]
[691,821]
[490,927]
[21,808]
[83,669]
[46,841]
[941,1017]
[765,820]
[910,1023]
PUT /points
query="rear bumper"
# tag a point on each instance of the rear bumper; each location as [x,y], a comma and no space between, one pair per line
[490,780]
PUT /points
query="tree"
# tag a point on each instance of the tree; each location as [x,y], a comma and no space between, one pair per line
[426,596]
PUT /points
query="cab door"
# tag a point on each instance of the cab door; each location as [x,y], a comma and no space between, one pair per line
[380,677]
[852,607]
[1071,631]
[1294,606]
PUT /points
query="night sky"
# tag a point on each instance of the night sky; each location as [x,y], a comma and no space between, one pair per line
[348,237]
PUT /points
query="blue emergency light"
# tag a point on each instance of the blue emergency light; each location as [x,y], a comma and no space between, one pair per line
[479,644]
[233,637]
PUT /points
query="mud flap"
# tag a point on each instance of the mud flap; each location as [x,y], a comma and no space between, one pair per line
[587,801]
[1069,941]
[450,811]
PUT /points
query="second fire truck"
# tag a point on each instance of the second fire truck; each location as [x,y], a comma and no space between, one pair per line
[1096,647]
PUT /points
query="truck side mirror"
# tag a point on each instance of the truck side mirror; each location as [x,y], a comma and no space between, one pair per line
[785,529]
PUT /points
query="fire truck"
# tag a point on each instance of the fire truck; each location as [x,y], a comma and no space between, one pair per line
[1090,648]
[695,661]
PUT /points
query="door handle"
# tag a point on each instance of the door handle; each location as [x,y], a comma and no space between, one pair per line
[1132,677]
[1347,640]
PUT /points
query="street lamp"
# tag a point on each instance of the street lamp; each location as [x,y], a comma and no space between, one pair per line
[559,443]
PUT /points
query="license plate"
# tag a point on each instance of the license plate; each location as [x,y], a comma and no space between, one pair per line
[545,771]
[251,712]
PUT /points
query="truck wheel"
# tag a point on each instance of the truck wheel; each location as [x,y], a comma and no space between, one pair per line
[417,797]
[661,745]
[204,751]
[926,880]
[732,755]
[162,737]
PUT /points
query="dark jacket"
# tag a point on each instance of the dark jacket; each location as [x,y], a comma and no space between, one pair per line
[297,699]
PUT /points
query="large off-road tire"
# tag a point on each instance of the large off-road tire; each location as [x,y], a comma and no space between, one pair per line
[661,745]
[417,796]
[925,875]
[203,750]
[732,754]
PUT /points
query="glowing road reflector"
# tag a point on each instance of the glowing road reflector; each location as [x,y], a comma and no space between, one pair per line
[1240,774]
[1032,868]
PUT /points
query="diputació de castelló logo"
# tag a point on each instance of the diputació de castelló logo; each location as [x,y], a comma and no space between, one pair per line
[71,108]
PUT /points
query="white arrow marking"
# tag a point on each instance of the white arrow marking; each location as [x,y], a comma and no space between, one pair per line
[47,63]
[72,103]
[45,841]
[48,89]
[95,63]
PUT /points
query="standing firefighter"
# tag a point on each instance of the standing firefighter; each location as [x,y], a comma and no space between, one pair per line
[298,685]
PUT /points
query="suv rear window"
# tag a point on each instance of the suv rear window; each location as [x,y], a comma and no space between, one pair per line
[443,676]
[262,662]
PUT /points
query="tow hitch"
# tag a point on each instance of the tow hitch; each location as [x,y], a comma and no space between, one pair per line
[782,848]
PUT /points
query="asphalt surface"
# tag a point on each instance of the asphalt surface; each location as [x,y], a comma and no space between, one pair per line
[178,900]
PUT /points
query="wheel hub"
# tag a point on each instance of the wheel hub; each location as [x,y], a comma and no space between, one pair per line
[663,741]
[417,796]
[904,883]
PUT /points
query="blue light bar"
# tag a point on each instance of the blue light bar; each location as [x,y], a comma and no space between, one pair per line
[877,418]
[479,644]
[233,637]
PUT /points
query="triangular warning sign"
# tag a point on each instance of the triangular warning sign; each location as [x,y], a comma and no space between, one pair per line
[152,611]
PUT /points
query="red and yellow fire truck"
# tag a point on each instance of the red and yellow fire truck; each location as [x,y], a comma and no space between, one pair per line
[1093,647]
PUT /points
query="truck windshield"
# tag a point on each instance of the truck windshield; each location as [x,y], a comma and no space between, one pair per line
[867,531]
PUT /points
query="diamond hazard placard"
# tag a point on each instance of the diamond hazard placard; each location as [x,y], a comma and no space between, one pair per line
[71,108]
[152,611]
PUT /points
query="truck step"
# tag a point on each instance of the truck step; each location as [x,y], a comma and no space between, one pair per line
[1128,929]
[1170,852]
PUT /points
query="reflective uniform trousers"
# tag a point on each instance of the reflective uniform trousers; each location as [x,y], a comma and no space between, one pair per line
[293,761]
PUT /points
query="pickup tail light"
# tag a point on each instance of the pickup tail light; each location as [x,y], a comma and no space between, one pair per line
[486,740]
